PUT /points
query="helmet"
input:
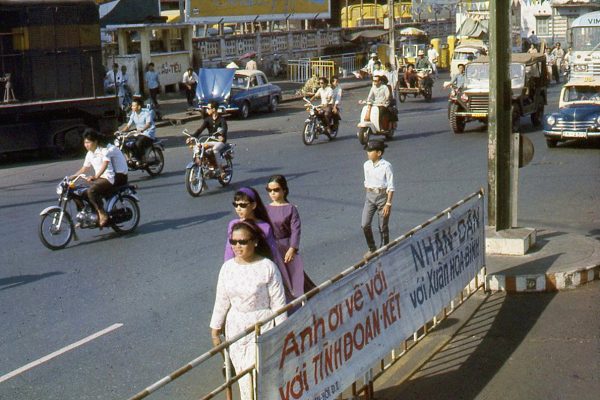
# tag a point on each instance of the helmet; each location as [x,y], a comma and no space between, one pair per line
[421,52]
[373,55]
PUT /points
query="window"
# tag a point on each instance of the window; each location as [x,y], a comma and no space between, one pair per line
[542,26]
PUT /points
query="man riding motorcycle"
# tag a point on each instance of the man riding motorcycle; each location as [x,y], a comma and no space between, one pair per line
[336,96]
[326,94]
[422,61]
[144,124]
[216,126]
[380,96]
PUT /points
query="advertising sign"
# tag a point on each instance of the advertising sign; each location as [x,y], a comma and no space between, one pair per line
[339,333]
[171,66]
[203,11]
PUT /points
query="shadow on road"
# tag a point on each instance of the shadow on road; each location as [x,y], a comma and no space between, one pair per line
[19,280]
[178,223]
[476,353]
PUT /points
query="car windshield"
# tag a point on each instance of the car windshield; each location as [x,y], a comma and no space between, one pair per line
[586,38]
[479,75]
[240,82]
[582,93]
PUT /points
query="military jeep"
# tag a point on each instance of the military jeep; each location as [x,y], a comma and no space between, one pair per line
[528,82]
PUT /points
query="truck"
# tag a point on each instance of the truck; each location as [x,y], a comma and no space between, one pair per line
[585,38]
[51,76]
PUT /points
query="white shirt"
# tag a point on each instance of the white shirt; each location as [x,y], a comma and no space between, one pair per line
[251,65]
[379,175]
[433,55]
[337,95]
[326,95]
[190,79]
[109,79]
[140,120]
[95,159]
[117,159]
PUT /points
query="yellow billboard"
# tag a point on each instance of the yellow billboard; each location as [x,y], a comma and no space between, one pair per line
[211,11]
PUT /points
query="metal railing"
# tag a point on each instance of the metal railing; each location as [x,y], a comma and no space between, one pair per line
[367,387]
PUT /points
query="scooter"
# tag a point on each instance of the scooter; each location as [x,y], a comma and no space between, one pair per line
[371,124]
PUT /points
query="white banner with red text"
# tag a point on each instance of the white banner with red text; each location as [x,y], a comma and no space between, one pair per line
[334,339]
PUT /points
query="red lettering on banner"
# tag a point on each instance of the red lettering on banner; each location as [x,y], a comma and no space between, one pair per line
[359,345]
[347,346]
[289,346]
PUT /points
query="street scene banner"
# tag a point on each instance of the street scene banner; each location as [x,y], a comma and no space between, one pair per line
[338,334]
[204,11]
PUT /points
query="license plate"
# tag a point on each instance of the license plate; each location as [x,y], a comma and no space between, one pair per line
[574,134]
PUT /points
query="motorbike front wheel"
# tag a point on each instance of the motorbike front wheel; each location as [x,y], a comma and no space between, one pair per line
[194,180]
[427,93]
[226,179]
[52,235]
[126,213]
[156,161]
[363,135]
[308,134]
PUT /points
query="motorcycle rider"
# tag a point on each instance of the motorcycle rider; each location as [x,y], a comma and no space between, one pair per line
[119,164]
[326,94]
[146,131]
[422,61]
[459,79]
[216,126]
[379,96]
[103,179]
[337,96]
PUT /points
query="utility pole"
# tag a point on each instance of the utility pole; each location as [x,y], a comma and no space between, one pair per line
[392,29]
[500,119]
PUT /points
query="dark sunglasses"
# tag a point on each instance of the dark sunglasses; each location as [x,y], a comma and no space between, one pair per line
[276,190]
[243,205]
[243,242]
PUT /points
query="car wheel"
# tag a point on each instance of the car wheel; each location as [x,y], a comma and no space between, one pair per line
[273,103]
[245,110]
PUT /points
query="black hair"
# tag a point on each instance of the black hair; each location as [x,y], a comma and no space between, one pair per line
[335,78]
[115,65]
[324,80]
[260,212]
[138,100]
[383,79]
[262,247]
[282,182]
[214,104]
[91,134]
[151,64]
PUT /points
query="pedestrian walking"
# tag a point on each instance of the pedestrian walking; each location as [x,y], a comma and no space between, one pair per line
[152,83]
[190,82]
[249,289]
[249,207]
[112,80]
[286,228]
[379,187]
[559,55]
[433,56]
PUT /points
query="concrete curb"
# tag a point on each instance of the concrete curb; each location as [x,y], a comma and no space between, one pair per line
[536,283]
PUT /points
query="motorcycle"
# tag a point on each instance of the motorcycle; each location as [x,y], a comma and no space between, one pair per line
[424,86]
[154,160]
[199,170]
[57,227]
[371,124]
[314,125]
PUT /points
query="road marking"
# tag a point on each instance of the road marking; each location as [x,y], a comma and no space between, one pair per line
[59,352]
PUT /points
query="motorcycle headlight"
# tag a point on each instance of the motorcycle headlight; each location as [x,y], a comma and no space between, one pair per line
[117,142]
[59,189]
[312,112]
[551,120]
[580,67]
[598,120]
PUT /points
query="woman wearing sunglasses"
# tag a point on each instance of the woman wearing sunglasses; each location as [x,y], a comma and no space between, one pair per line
[286,228]
[249,289]
[249,207]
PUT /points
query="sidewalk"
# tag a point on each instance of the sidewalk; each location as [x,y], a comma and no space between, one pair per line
[175,109]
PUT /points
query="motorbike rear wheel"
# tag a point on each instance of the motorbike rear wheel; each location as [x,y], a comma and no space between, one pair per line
[224,181]
[308,133]
[156,161]
[194,180]
[52,236]
[126,205]
[427,93]
[363,135]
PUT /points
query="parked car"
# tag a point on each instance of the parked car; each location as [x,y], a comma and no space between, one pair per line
[528,82]
[578,116]
[237,91]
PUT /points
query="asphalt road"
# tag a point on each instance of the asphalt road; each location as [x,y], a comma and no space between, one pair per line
[159,282]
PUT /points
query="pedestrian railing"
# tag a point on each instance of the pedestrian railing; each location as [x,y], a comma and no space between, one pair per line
[461,224]
[298,70]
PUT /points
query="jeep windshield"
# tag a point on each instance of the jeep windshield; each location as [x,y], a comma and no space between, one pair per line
[478,75]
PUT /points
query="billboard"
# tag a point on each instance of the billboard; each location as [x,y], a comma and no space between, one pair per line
[213,11]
